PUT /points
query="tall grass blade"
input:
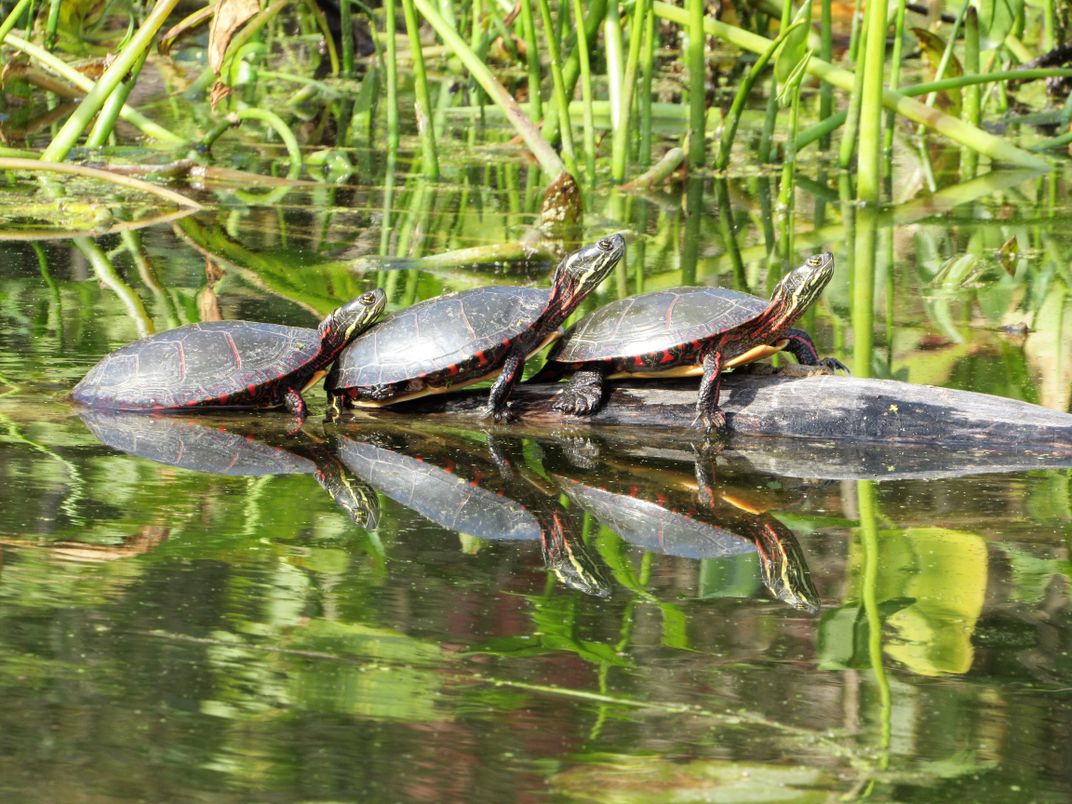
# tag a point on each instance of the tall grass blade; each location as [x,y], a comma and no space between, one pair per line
[561,101]
[586,96]
[532,59]
[422,101]
[623,131]
[541,149]
[870,156]
[697,71]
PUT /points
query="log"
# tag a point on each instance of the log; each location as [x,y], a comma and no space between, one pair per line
[825,408]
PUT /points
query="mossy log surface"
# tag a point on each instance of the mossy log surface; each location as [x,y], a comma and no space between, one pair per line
[827,408]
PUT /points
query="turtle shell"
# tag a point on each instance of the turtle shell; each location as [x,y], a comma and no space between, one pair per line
[440,496]
[656,322]
[438,334]
[232,363]
[189,444]
[655,528]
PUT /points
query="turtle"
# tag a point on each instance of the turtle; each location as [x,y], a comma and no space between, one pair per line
[214,448]
[467,494]
[686,331]
[454,340]
[233,364]
[657,510]
[728,531]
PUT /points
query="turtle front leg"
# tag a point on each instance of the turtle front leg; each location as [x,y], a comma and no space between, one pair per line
[583,393]
[802,347]
[511,372]
[707,410]
[296,405]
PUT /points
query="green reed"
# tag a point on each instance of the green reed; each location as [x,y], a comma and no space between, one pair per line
[869,174]
[422,101]
[697,72]
[391,73]
[559,85]
[972,109]
[622,132]
[586,96]
[532,56]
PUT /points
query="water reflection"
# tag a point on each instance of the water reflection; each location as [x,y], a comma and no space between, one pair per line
[454,484]
[652,511]
[193,443]
[269,647]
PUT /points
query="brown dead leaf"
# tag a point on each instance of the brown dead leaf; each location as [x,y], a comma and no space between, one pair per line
[933,47]
[230,16]
[219,91]
[562,202]
[208,305]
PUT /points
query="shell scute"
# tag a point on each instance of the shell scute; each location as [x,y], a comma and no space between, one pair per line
[442,334]
[657,321]
[207,363]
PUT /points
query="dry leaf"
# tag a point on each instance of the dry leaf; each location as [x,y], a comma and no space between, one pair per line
[230,16]
[219,92]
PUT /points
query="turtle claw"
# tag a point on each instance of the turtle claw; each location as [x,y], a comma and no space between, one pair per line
[503,415]
[714,422]
[578,401]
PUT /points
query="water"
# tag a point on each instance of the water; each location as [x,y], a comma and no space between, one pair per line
[523,615]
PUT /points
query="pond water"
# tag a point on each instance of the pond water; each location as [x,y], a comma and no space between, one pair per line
[214,609]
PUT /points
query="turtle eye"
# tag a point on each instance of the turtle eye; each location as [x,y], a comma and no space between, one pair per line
[368,298]
[816,260]
[605,245]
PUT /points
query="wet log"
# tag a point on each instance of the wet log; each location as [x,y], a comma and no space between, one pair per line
[827,408]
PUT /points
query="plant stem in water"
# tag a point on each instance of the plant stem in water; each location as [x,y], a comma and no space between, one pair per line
[697,69]
[586,95]
[561,101]
[870,155]
[620,151]
[422,101]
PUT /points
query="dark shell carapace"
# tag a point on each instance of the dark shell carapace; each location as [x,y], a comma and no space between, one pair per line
[212,363]
[468,330]
[656,322]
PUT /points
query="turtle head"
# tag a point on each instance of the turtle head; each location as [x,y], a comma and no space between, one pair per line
[581,272]
[345,323]
[783,568]
[353,496]
[799,290]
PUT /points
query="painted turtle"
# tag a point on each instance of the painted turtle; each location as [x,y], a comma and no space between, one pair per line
[451,341]
[192,444]
[658,519]
[455,497]
[238,364]
[683,333]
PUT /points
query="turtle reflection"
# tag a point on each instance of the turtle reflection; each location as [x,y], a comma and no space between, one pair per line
[201,446]
[453,483]
[646,510]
